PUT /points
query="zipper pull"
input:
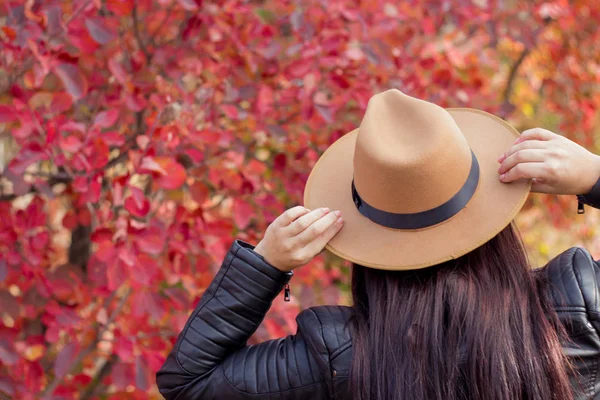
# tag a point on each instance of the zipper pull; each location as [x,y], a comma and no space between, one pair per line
[580,209]
[286,292]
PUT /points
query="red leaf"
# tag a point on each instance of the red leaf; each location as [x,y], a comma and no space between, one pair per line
[138,195]
[106,119]
[265,100]
[242,212]
[175,178]
[199,192]
[135,103]
[7,114]
[428,26]
[70,220]
[106,251]
[61,102]
[124,349]
[136,205]
[279,162]
[28,155]
[40,240]
[151,240]
[73,80]
[195,154]
[102,234]
[230,110]
[144,269]
[121,8]
[70,144]
[150,165]
[149,304]
[122,375]
[82,379]
[169,173]
[84,217]
[142,141]
[93,195]
[189,5]
[73,126]
[97,153]
[98,30]
[117,70]
[113,138]
[9,32]
[65,358]
[116,274]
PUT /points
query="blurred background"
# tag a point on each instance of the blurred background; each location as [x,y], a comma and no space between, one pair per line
[138,138]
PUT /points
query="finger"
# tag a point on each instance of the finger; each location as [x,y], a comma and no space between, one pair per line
[290,216]
[317,245]
[525,171]
[317,228]
[529,144]
[300,224]
[522,156]
[537,133]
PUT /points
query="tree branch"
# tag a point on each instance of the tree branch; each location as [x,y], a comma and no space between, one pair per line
[513,73]
[136,32]
[102,373]
[515,68]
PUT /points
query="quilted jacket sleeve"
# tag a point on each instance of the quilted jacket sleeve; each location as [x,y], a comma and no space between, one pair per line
[574,278]
[210,359]
[592,198]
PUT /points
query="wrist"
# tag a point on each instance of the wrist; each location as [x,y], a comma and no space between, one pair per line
[259,250]
[594,175]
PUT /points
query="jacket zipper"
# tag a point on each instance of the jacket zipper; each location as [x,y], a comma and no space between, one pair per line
[580,209]
[286,292]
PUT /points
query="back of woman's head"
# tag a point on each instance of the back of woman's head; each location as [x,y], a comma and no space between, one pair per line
[473,328]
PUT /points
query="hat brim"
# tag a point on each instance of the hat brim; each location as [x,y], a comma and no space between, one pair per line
[492,208]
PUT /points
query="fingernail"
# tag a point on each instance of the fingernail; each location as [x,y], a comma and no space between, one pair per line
[501,158]
[325,210]
[338,213]
[502,177]
[339,221]
[519,140]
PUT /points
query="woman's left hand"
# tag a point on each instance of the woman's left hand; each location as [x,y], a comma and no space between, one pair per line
[556,164]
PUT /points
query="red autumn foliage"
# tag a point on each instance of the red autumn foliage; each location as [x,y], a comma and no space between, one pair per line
[150,133]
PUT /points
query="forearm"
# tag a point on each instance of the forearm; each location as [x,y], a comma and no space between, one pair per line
[228,313]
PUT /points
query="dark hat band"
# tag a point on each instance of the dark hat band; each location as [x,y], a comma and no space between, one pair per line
[426,218]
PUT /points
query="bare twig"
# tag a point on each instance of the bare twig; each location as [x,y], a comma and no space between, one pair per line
[136,32]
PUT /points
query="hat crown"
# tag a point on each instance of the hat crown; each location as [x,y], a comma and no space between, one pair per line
[410,155]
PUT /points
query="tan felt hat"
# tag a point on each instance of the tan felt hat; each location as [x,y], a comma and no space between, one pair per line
[417,184]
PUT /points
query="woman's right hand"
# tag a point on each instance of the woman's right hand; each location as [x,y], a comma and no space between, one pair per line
[297,236]
[556,164]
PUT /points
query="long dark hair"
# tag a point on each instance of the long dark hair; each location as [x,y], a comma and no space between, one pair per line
[473,328]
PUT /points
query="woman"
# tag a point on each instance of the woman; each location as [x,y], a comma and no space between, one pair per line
[445,304]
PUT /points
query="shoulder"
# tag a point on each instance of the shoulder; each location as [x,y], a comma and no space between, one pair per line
[573,277]
[327,332]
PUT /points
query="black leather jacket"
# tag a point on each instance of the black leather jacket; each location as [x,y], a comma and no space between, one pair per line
[210,359]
